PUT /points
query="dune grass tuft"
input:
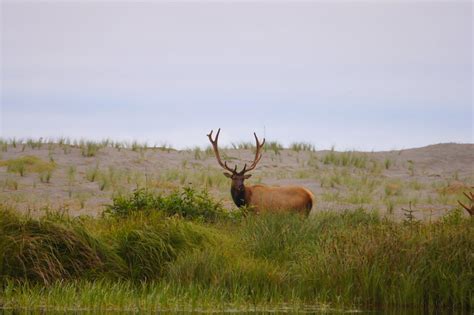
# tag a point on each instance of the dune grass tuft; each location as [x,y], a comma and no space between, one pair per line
[28,163]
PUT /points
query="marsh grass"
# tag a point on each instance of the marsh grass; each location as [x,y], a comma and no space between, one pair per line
[149,261]
[45,250]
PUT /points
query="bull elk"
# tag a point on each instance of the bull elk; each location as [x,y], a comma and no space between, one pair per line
[260,197]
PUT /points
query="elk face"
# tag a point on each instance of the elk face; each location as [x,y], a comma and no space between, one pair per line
[238,180]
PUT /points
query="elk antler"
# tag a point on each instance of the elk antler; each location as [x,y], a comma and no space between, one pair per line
[470,197]
[258,155]
[216,152]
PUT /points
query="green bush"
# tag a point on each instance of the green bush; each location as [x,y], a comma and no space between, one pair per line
[187,203]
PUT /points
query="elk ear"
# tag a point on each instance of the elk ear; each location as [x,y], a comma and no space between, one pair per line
[227,174]
[247,176]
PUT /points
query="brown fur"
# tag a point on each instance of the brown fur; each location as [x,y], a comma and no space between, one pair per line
[279,199]
[260,197]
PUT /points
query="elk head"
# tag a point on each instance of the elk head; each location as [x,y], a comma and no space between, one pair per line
[237,188]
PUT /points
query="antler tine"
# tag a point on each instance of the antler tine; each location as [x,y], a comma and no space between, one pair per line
[216,151]
[258,155]
[464,206]
[469,197]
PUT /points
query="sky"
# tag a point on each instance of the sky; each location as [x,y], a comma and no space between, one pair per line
[364,75]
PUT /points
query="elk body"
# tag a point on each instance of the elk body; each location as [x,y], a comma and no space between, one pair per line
[260,197]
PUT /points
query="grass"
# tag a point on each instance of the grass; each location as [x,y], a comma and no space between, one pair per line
[348,158]
[45,177]
[243,145]
[274,146]
[89,148]
[10,184]
[152,252]
[28,163]
[302,146]
[92,173]
[199,177]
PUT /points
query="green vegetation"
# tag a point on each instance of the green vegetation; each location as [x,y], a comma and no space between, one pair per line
[243,145]
[199,177]
[92,173]
[10,184]
[89,148]
[186,203]
[274,146]
[302,146]
[28,163]
[150,252]
[165,247]
[349,158]
[3,145]
[45,176]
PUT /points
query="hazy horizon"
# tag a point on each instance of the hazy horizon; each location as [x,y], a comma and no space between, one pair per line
[354,75]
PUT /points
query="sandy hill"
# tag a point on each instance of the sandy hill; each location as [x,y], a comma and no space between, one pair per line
[83,177]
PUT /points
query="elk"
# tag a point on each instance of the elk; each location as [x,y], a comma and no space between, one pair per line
[260,197]
[470,197]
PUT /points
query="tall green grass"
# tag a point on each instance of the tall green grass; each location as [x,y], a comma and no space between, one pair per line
[151,261]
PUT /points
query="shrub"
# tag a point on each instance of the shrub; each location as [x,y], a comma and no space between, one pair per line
[187,203]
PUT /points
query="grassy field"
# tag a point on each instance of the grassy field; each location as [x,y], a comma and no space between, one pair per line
[126,226]
[183,252]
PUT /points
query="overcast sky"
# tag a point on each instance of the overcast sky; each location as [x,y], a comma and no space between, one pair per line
[358,75]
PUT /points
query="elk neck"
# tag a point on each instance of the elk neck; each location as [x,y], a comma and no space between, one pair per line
[239,195]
